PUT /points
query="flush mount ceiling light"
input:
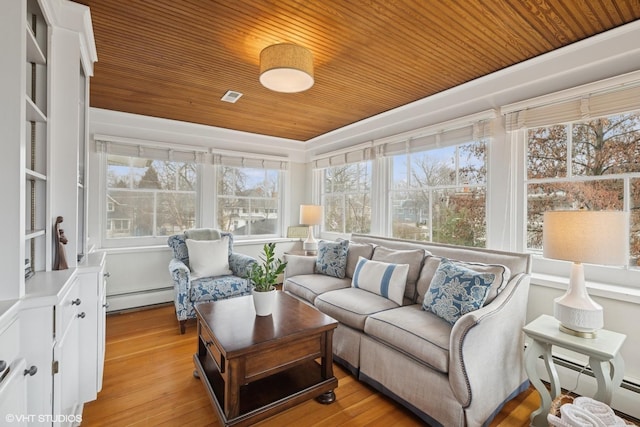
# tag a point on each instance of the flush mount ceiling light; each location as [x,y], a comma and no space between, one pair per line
[286,68]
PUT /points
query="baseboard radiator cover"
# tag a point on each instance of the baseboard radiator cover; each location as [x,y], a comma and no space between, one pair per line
[124,301]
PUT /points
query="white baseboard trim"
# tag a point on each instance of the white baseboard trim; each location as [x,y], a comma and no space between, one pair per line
[139,299]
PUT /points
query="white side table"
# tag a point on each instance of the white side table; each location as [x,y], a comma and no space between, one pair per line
[604,358]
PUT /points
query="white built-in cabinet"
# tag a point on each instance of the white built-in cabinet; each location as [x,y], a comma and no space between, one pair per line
[52,324]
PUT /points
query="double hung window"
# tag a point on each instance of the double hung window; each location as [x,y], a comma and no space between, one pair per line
[248,200]
[439,195]
[346,197]
[149,198]
[589,164]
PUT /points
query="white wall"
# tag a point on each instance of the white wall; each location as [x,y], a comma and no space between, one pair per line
[607,55]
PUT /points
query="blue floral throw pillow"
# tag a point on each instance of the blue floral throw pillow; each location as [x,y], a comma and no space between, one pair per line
[332,258]
[456,290]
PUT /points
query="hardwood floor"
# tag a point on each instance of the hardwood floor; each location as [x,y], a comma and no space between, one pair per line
[148,382]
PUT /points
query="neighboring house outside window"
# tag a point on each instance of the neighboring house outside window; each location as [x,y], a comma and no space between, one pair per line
[149,198]
[346,197]
[592,165]
[440,195]
[248,200]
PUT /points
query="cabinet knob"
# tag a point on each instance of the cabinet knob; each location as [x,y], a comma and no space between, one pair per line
[107,274]
[105,305]
[82,315]
[3,365]
[76,301]
[31,371]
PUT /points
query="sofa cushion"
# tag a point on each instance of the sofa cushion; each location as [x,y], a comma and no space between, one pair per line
[351,306]
[431,263]
[409,329]
[355,251]
[413,257]
[309,286]
[456,290]
[332,258]
[381,278]
[209,257]
[215,288]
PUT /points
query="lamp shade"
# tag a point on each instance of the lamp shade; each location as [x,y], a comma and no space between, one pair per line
[310,214]
[593,237]
[286,68]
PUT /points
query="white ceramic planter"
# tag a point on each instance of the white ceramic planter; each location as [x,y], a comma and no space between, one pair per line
[263,302]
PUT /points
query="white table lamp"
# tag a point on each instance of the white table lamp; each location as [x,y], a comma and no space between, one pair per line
[310,215]
[593,237]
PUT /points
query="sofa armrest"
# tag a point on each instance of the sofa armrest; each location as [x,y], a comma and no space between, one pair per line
[486,358]
[299,264]
[241,264]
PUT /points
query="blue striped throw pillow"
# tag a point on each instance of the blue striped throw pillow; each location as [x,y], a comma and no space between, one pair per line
[381,278]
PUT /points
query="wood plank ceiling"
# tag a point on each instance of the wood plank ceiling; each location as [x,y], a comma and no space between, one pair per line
[176,59]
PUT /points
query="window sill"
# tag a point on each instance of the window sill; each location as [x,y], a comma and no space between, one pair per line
[165,247]
[614,292]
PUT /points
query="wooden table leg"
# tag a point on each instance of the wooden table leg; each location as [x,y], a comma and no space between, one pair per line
[326,365]
[235,378]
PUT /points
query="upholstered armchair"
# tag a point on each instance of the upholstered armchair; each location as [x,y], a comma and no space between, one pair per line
[190,290]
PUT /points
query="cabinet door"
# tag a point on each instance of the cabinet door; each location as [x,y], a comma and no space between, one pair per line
[102,324]
[88,336]
[36,346]
[13,396]
[66,382]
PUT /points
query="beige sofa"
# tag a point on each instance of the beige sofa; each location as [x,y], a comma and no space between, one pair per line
[450,375]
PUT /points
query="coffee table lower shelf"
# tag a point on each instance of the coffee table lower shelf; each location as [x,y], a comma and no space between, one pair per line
[268,396]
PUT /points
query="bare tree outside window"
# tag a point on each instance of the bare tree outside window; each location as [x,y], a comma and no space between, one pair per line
[439,195]
[248,200]
[592,165]
[148,198]
[346,197]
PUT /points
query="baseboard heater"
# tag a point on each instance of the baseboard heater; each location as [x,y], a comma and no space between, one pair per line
[142,292]
[558,361]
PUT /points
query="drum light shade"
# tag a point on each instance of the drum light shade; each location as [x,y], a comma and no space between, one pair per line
[286,68]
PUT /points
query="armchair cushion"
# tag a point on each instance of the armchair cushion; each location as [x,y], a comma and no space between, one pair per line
[216,288]
[209,257]
[178,244]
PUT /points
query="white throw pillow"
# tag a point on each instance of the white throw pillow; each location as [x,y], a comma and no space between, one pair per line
[208,257]
[382,278]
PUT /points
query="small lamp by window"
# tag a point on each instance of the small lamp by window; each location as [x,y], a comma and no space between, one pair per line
[310,215]
[593,237]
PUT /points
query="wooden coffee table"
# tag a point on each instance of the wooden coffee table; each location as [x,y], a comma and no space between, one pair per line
[256,366]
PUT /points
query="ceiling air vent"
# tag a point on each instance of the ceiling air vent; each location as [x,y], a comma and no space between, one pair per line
[231,96]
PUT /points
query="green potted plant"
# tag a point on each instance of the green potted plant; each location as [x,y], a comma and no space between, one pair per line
[264,276]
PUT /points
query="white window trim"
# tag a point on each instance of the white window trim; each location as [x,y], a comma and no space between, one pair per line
[205,204]
[609,279]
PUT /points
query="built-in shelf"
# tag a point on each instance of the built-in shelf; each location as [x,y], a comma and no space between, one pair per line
[31,174]
[34,53]
[32,234]
[33,112]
